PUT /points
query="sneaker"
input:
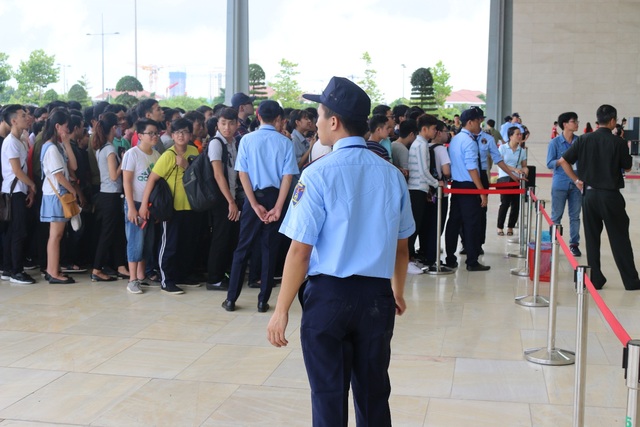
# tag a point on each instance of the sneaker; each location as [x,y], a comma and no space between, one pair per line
[30,264]
[414,269]
[172,289]
[5,275]
[575,251]
[22,279]
[190,283]
[148,282]
[217,286]
[134,287]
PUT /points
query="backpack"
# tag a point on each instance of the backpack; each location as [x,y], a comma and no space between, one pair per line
[432,162]
[161,199]
[199,182]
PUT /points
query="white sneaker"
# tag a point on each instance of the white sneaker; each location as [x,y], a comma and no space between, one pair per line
[414,269]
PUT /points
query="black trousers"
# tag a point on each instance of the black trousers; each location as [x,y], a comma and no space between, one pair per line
[252,229]
[15,237]
[508,201]
[429,231]
[418,207]
[224,238]
[608,207]
[346,329]
[112,240]
[483,218]
[175,258]
[465,212]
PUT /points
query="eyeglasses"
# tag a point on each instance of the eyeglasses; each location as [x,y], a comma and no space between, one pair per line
[182,133]
[151,134]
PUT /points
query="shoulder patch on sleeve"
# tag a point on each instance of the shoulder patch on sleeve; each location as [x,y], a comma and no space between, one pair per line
[298,192]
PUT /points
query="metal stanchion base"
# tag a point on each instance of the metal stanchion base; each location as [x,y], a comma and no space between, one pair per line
[522,272]
[514,240]
[516,255]
[433,270]
[555,357]
[532,301]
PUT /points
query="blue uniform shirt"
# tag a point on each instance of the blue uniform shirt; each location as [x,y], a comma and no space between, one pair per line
[557,147]
[487,144]
[504,130]
[463,152]
[352,206]
[266,155]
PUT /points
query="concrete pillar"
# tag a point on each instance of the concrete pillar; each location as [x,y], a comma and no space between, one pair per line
[499,72]
[237,78]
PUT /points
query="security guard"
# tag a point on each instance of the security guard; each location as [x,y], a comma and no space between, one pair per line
[349,218]
[265,163]
[466,209]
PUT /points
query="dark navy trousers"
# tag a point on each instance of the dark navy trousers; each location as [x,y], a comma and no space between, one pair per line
[252,229]
[465,211]
[346,330]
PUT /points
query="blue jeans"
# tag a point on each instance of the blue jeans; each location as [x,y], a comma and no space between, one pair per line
[139,240]
[558,199]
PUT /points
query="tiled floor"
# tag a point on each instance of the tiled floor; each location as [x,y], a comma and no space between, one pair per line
[92,354]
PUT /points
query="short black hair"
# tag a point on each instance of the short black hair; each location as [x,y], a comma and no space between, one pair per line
[217,108]
[380,109]
[141,124]
[376,121]
[203,109]
[426,120]
[399,111]
[10,111]
[228,113]
[407,127]
[565,118]
[491,123]
[39,112]
[145,106]
[353,127]
[414,112]
[606,113]
[212,125]
[181,123]
[195,116]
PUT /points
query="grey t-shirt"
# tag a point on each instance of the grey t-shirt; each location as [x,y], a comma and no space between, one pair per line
[400,155]
[106,184]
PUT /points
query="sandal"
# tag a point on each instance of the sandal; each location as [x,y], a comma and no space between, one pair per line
[510,232]
[500,232]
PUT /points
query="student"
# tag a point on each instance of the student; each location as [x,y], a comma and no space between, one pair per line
[224,216]
[56,175]
[171,165]
[136,167]
[300,122]
[16,181]
[379,130]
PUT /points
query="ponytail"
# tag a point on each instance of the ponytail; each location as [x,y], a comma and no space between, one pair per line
[102,129]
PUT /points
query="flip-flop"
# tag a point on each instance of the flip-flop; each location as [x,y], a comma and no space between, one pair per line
[500,233]
[509,233]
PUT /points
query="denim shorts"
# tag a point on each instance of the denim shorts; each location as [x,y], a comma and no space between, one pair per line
[139,240]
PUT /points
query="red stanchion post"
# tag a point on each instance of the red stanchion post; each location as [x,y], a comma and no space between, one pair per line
[582,325]
[551,355]
[536,300]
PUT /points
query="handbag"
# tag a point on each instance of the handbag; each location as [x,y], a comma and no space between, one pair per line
[5,203]
[68,201]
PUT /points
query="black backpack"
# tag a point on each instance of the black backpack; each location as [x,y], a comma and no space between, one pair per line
[161,201]
[432,162]
[199,182]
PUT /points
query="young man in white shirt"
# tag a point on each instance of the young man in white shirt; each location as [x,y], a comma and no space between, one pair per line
[16,182]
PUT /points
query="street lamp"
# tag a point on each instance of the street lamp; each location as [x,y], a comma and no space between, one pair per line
[404,67]
[102,34]
[64,76]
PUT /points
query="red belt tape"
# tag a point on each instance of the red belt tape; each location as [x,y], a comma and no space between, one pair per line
[505,184]
[471,191]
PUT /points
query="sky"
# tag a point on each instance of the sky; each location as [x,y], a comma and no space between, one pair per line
[324,37]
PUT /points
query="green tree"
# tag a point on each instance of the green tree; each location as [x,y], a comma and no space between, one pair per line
[5,71]
[129,84]
[126,99]
[220,98]
[287,90]
[368,84]
[422,90]
[7,94]
[50,95]
[186,102]
[78,93]
[36,73]
[257,86]
[441,88]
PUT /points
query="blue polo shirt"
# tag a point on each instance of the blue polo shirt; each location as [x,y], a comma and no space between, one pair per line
[266,155]
[352,207]
[504,129]
[557,147]
[487,145]
[463,152]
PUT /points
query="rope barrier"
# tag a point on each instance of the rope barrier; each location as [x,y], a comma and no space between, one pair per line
[611,319]
[505,184]
[478,192]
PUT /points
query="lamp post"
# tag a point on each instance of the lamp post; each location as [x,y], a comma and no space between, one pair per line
[102,34]
[404,67]
[135,16]
[64,76]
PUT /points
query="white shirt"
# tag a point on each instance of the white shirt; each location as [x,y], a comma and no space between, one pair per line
[215,153]
[137,161]
[13,148]
[52,163]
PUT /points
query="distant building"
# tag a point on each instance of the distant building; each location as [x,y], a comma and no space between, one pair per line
[464,97]
[177,83]
[110,95]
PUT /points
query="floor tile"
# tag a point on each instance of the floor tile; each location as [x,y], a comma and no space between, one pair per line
[464,413]
[16,384]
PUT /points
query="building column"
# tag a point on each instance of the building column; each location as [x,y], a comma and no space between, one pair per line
[500,70]
[237,67]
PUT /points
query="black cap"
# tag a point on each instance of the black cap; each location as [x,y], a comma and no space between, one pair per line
[471,114]
[345,98]
[240,98]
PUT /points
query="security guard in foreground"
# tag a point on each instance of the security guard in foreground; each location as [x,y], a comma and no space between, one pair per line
[349,219]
